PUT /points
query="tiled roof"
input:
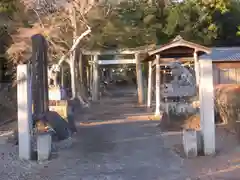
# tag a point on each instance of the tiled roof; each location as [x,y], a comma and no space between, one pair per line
[223,54]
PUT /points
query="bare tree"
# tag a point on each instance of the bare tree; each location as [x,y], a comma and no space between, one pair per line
[64,25]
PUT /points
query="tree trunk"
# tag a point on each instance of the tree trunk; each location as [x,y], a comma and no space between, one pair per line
[73,78]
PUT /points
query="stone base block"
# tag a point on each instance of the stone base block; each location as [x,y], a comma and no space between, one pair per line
[44,146]
[190,143]
[200,148]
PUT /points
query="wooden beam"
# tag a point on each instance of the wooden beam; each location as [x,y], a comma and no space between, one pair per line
[165,61]
[140,50]
[120,61]
[178,50]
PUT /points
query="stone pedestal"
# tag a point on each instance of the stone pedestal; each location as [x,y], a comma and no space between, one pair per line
[44,146]
[190,143]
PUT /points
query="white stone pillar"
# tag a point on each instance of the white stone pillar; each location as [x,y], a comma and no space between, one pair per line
[158,98]
[206,95]
[196,67]
[139,79]
[149,97]
[24,101]
[96,83]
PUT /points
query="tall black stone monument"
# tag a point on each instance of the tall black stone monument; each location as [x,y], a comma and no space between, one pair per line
[39,70]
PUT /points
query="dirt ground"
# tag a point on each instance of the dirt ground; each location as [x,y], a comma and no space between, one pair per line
[117,139]
[222,166]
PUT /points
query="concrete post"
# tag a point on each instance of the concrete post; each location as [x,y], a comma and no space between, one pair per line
[190,143]
[96,83]
[149,96]
[24,100]
[157,112]
[206,93]
[196,67]
[139,79]
[44,146]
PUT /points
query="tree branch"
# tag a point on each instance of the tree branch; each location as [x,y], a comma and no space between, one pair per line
[74,46]
[39,19]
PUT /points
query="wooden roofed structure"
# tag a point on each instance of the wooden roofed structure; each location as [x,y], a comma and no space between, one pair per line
[175,51]
[177,48]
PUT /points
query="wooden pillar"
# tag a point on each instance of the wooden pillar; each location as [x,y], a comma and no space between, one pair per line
[206,93]
[196,67]
[158,83]
[139,79]
[149,96]
[96,83]
[91,76]
[81,70]
[1,69]
[88,76]
[110,74]
[62,77]
[24,100]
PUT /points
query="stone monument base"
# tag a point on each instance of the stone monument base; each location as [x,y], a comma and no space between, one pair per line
[44,146]
[190,143]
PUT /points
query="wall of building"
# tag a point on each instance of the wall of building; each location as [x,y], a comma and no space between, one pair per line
[226,73]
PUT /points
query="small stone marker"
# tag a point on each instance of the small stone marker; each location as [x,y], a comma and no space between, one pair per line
[199,142]
[190,143]
[44,146]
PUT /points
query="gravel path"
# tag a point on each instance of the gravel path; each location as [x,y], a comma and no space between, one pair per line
[125,150]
